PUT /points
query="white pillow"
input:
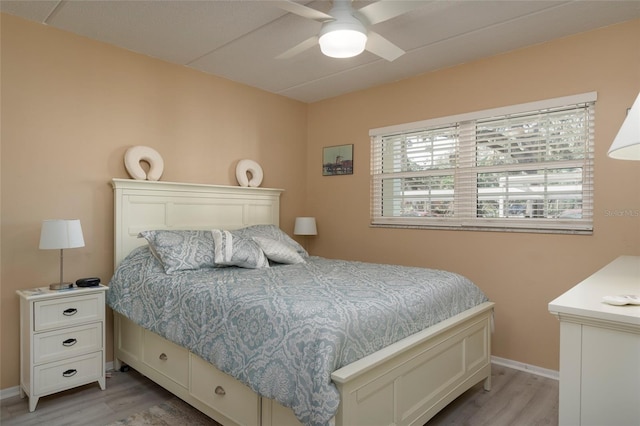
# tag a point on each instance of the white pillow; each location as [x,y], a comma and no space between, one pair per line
[231,250]
[181,250]
[272,232]
[278,251]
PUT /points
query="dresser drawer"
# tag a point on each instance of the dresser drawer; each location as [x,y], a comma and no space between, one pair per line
[67,311]
[166,357]
[61,375]
[224,393]
[68,342]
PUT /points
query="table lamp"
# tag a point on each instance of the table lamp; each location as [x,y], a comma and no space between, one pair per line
[61,234]
[626,145]
[305,226]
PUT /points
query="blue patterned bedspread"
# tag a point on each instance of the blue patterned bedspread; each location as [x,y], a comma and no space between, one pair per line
[283,330]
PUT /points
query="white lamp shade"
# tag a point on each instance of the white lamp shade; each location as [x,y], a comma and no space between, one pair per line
[61,234]
[305,226]
[626,145]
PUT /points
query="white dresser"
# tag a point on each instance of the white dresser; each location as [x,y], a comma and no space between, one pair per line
[62,340]
[600,348]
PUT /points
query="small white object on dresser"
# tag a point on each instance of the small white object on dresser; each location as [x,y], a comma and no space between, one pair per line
[600,348]
[62,340]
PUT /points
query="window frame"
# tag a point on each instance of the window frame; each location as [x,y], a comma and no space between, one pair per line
[466,197]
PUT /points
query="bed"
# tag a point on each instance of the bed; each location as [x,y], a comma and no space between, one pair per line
[401,383]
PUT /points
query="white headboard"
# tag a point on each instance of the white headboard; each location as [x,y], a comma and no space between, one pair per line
[142,205]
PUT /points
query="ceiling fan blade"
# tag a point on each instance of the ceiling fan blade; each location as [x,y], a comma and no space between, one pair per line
[304,11]
[382,47]
[299,48]
[382,10]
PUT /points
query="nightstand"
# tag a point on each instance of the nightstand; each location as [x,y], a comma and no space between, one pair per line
[62,340]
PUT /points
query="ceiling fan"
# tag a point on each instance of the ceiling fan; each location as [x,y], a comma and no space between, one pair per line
[345,32]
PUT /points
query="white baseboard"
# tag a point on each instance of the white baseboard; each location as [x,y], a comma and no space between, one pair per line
[9,392]
[551,374]
[15,391]
[539,371]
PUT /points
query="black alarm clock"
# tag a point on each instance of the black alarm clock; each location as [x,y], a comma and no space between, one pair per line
[88,282]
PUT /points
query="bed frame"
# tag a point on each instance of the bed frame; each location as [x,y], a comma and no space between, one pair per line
[405,383]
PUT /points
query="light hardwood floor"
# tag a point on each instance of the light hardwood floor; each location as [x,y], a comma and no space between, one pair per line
[516,398]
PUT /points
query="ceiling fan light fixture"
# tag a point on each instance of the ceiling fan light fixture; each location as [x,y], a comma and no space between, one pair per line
[343,43]
[344,37]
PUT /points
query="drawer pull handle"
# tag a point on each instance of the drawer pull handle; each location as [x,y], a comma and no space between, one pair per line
[163,356]
[69,312]
[220,391]
[69,373]
[69,342]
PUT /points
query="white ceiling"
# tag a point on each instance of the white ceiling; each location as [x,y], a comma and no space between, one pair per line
[240,39]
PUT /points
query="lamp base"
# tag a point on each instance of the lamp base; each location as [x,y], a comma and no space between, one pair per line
[60,286]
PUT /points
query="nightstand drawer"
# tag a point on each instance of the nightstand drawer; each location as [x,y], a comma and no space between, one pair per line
[67,311]
[166,357]
[68,342]
[61,375]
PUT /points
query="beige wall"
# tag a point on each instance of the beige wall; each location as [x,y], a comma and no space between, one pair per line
[521,272]
[70,109]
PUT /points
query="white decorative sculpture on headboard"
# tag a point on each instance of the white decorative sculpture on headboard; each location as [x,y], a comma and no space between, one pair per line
[135,155]
[246,168]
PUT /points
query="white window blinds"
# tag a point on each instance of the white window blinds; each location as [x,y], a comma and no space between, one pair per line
[527,167]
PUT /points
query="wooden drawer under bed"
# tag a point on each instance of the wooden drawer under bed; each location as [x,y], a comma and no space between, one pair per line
[186,375]
[168,358]
[224,393]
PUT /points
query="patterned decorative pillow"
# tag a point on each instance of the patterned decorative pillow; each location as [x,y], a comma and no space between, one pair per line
[180,250]
[278,251]
[272,232]
[233,250]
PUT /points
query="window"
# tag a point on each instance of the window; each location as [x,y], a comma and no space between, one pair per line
[527,167]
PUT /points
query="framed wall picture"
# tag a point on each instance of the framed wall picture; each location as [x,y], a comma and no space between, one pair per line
[337,160]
